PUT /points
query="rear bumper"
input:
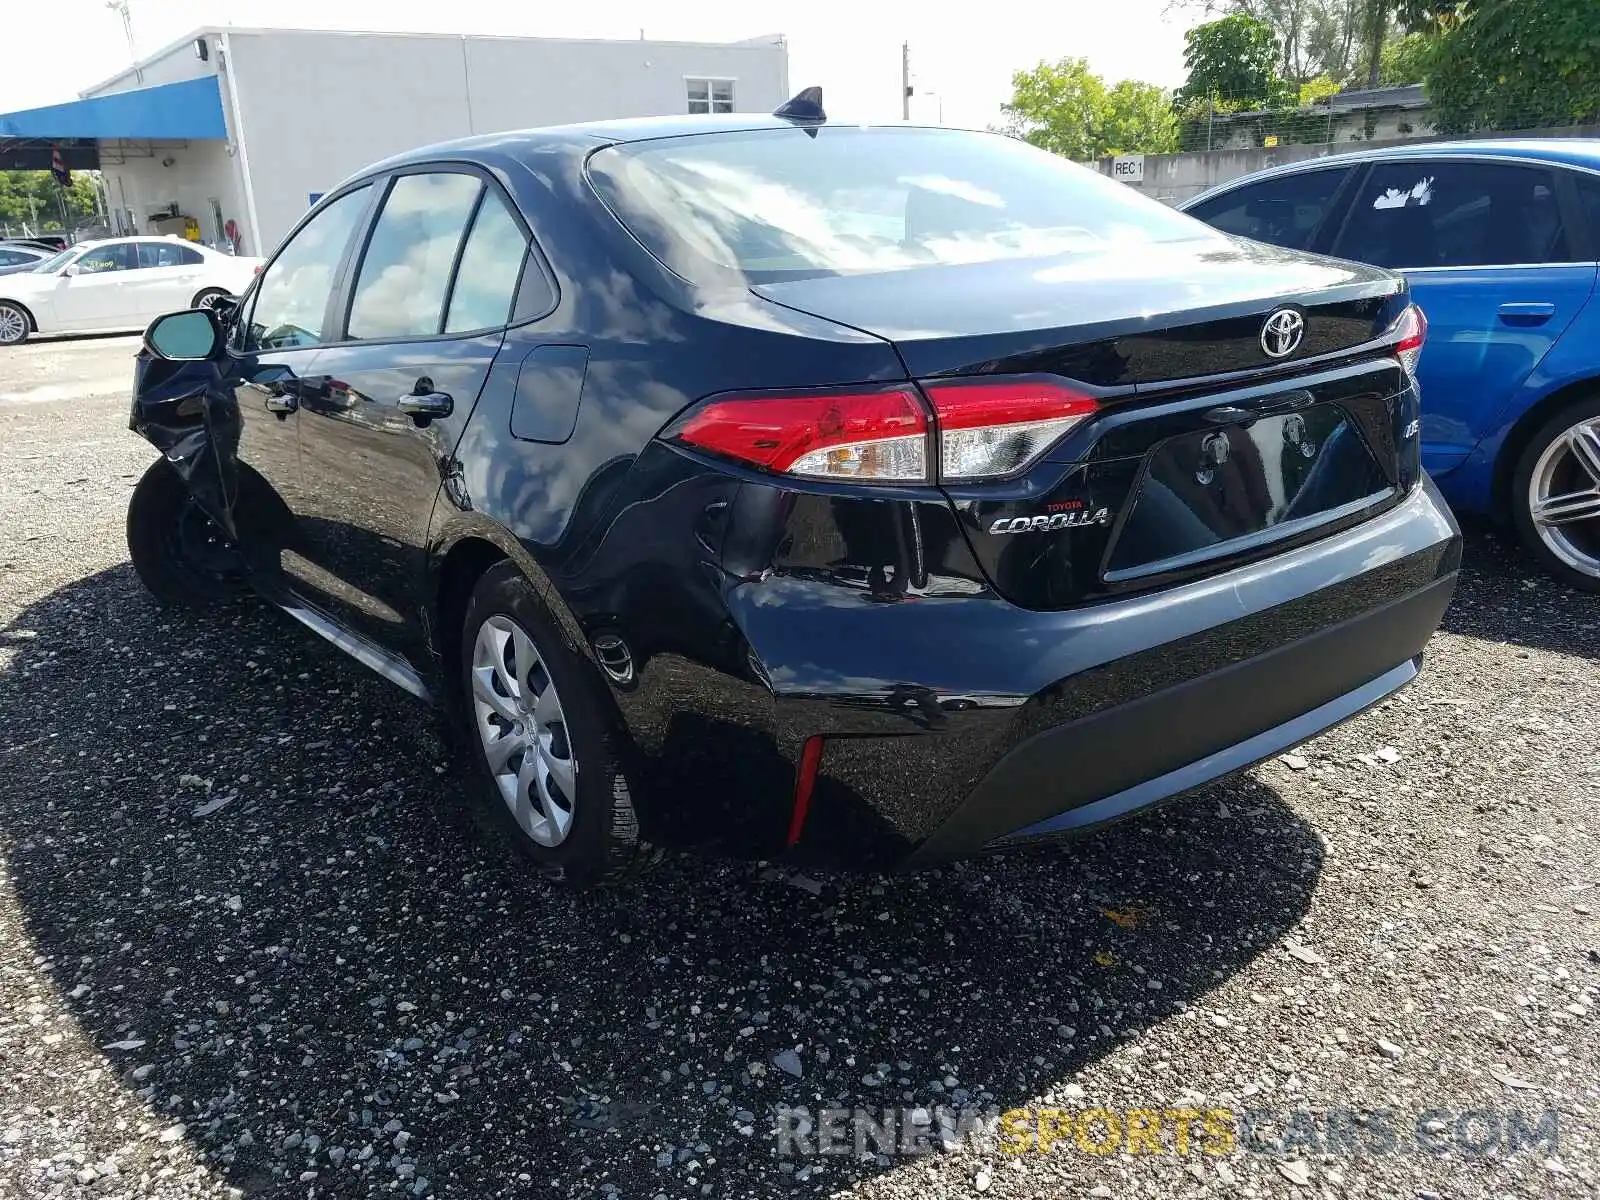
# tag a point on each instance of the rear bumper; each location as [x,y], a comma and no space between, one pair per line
[957,726]
[1071,778]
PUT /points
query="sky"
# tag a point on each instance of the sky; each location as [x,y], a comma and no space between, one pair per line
[962,55]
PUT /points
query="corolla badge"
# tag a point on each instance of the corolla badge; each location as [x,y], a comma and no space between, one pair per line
[1281,332]
[1060,520]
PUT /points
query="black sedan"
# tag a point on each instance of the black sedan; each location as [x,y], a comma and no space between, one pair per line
[774,486]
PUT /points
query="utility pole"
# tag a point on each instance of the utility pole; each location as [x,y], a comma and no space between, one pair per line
[905,81]
[121,8]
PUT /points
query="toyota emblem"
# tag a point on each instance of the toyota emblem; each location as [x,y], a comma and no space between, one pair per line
[1281,333]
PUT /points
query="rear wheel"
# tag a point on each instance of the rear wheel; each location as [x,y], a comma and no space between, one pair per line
[549,776]
[14,325]
[1555,495]
[181,556]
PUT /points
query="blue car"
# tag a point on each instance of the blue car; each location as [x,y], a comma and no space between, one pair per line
[1499,240]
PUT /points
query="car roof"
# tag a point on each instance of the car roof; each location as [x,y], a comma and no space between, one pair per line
[584,136]
[1576,152]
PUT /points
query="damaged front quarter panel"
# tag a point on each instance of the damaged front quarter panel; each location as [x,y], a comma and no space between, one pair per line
[188,412]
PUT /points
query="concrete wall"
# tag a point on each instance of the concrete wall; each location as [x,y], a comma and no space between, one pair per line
[1174,178]
[316,107]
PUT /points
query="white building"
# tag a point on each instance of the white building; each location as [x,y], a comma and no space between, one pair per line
[238,131]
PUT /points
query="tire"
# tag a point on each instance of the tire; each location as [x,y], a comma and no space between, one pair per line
[569,810]
[179,554]
[208,297]
[15,324]
[1562,459]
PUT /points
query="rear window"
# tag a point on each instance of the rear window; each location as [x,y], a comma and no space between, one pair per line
[779,204]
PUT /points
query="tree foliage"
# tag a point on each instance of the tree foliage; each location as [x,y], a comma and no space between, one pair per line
[29,197]
[1518,64]
[1233,64]
[1334,37]
[1067,109]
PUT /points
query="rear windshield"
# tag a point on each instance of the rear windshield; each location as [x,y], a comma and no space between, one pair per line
[777,204]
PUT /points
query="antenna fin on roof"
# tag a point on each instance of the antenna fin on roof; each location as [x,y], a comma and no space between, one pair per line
[805,106]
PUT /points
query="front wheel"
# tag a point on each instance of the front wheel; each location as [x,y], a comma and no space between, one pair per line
[180,555]
[1555,495]
[549,776]
[14,325]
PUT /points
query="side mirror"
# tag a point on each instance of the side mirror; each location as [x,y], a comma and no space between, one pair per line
[191,336]
[72,269]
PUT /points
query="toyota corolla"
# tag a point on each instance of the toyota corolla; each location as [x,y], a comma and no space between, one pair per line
[769,485]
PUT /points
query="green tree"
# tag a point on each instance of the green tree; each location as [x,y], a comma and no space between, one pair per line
[1067,109]
[1137,119]
[1335,37]
[1518,64]
[1407,59]
[31,197]
[1233,64]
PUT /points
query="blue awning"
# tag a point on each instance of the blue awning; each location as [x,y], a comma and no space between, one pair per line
[191,110]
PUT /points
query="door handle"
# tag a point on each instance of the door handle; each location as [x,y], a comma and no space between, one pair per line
[424,406]
[281,399]
[1532,313]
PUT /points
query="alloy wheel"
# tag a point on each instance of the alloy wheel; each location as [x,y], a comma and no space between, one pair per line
[208,302]
[523,730]
[13,325]
[1564,497]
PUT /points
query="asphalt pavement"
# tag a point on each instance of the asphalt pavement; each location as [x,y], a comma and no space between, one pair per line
[250,945]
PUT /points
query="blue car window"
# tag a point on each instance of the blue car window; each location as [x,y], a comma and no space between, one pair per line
[1455,214]
[1286,211]
[1589,203]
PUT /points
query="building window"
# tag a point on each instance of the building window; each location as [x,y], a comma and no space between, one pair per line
[710,95]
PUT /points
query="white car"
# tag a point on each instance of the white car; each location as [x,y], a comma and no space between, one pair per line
[116,284]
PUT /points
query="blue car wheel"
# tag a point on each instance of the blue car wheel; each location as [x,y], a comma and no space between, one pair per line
[1555,496]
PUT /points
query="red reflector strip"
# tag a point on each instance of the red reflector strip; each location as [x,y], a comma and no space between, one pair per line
[775,431]
[964,405]
[805,779]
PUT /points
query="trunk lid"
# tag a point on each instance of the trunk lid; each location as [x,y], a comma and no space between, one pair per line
[1139,314]
[1207,451]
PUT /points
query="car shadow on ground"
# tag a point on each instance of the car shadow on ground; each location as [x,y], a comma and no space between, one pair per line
[1504,596]
[234,846]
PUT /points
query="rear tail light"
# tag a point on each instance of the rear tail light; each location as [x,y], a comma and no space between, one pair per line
[1408,333]
[984,428]
[994,427]
[880,436]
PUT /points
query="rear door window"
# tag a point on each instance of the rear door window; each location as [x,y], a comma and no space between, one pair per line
[405,273]
[1286,211]
[491,264]
[291,298]
[155,254]
[1424,213]
[1589,206]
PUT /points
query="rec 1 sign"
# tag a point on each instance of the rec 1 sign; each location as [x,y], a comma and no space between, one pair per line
[1129,168]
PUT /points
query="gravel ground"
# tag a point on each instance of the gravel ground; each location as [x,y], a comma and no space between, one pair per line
[248,946]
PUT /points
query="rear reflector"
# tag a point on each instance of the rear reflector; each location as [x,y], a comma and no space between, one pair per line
[869,436]
[805,780]
[1409,332]
[991,427]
